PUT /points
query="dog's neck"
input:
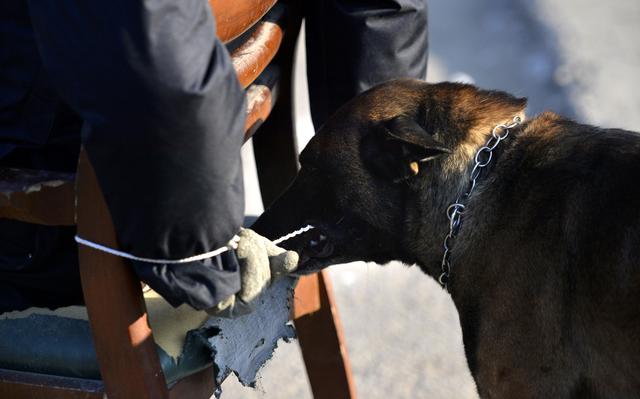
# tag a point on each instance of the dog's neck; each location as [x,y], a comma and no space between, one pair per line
[458,163]
[451,179]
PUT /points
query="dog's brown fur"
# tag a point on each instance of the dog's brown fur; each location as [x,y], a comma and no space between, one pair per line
[546,265]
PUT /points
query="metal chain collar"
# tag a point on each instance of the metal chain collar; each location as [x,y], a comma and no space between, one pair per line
[455,211]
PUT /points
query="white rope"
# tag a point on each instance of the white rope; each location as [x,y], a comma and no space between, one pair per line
[233,244]
[293,234]
[127,255]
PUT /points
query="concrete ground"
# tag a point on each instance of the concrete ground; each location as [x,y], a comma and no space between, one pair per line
[580,58]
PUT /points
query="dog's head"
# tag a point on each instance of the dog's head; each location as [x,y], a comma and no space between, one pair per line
[371,176]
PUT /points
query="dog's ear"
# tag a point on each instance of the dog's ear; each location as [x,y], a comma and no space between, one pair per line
[397,148]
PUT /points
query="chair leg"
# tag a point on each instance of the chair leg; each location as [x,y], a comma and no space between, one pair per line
[323,345]
[319,329]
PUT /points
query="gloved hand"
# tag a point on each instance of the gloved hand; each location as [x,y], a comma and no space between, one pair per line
[261,263]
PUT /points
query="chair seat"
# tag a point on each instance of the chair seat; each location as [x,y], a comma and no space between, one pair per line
[60,343]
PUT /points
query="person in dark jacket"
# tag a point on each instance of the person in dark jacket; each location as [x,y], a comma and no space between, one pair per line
[152,95]
[355,45]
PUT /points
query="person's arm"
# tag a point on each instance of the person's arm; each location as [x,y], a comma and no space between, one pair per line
[165,115]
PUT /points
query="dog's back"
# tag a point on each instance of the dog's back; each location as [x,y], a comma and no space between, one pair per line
[563,205]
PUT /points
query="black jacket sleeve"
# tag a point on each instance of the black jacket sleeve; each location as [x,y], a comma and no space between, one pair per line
[165,115]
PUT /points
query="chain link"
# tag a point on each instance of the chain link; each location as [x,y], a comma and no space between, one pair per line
[455,211]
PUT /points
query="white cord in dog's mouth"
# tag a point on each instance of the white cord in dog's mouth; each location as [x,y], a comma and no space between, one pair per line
[231,245]
[293,234]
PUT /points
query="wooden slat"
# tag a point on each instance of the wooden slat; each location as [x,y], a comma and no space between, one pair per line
[259,104]
[253,56]
[37,196]
[124,344]
[306,299]
[322,344]
[234,17]
[261,97]
[25,385]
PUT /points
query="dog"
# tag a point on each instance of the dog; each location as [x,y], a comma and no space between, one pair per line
[543,259]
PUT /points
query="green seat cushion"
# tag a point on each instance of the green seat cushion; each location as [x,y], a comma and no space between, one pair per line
[63,346]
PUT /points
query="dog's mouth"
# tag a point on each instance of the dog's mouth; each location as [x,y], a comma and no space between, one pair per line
[317,250]
[324,245]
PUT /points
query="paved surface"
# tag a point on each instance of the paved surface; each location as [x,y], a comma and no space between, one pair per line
[578,58]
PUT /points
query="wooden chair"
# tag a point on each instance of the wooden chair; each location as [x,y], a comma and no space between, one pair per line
[128,361]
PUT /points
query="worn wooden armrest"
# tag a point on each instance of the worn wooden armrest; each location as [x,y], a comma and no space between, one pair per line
[259,46]
[37,196]
[233,18]
[261,97]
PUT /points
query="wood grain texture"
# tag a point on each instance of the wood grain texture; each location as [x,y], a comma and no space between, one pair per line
[257,51]
[261,97]
[259,104]
[123,341]
[307,297]
[39,197]
[323,347]
[234,17]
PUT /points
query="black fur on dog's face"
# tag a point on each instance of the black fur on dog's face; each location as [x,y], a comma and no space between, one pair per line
[368,172]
